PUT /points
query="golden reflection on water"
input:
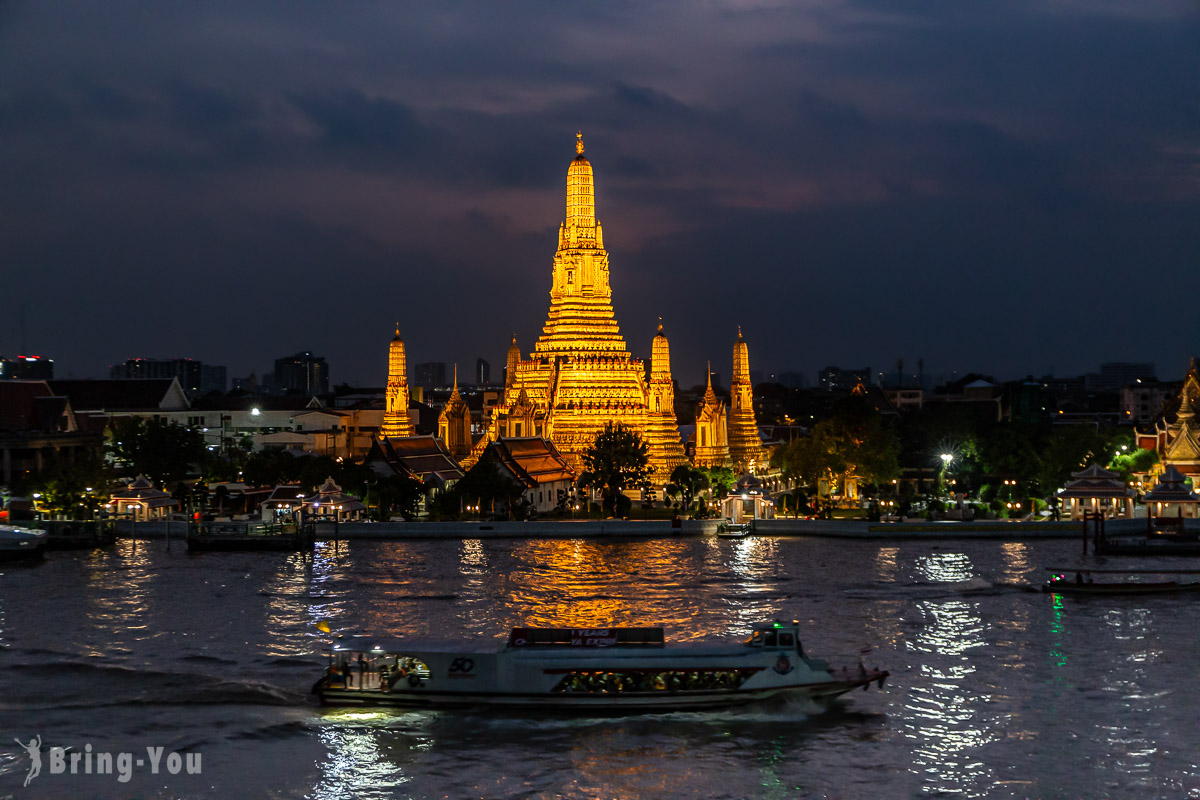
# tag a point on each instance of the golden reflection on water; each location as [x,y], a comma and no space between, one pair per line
[565,583]
[943,717]
[287,590]
[887,564]
[1015,556]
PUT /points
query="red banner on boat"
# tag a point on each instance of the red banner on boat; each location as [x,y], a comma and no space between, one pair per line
[566,637]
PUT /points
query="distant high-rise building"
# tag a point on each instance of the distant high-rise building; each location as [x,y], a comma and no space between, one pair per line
[793,380]
[431,374]
[303,372]
[838,378]
[195,377]
[1116,374]
[483,372]
[27,368]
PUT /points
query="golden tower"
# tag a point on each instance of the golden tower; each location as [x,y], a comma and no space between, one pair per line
[396,422]
[580,376]
[662,430]
[745,445]
[454,423]
[712,437]
[510,367]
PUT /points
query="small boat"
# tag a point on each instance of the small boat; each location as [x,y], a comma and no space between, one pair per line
[605,670]
[22,544]
[733,530]
[1059,583]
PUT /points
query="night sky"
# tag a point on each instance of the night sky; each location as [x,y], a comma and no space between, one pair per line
[1002,187]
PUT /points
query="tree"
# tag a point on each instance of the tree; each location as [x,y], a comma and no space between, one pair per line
[720,480]
[160,450]
[487,484]
[687,481]
[398,494]
[75,488]
[853,441]
[617,460]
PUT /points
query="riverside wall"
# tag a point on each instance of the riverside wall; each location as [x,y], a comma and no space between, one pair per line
[653,529]
[555,529]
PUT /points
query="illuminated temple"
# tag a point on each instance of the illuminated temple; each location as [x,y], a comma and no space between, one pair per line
[396,422]
[579,376]
[745,445]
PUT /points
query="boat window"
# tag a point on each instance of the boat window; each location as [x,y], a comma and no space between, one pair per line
[769,639]
[639,681]
[785,640]
[755,639]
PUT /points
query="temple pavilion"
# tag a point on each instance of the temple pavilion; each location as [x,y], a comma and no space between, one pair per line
[1097,489]
[1171,496]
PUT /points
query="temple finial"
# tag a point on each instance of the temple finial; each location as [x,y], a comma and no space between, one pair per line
[660,327]
[514,341]
[739,331]
[579,142]
[710,376]
[455,389]
[397,328]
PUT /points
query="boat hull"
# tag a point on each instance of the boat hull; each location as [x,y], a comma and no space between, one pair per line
[34,553]
[22,544]
[615,703]
[1121,588]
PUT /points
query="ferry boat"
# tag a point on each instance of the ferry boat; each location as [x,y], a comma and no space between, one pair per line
[589,669]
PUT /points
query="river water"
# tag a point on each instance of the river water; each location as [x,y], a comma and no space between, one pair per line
[996,691]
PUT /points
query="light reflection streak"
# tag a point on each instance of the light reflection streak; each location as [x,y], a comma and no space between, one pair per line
[943,716]
[287,589]
[357,765]
[887,565]
[118,595]
[946,567]
[1132,743]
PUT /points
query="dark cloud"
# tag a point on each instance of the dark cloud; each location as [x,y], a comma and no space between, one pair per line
[994,187]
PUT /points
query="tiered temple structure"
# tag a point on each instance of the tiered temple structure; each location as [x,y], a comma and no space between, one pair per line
[662,429]
[579,376]
[712,436]
[454,424]
[1178,442]
[396,422]
[745,445]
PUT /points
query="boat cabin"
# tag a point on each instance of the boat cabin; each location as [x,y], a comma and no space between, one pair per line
[777,635]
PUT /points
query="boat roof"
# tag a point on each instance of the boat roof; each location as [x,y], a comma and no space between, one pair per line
[367,644]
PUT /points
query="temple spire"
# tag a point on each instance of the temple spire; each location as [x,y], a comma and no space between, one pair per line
[579,142]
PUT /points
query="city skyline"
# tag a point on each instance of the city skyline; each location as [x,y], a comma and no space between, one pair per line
[989,189]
